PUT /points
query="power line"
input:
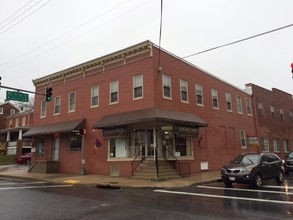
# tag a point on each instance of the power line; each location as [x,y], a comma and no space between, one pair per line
[15,12]
[24,17]
[68,41]
[238,41]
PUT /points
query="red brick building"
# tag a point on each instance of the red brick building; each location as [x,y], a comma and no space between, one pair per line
[115,110]
[274,119]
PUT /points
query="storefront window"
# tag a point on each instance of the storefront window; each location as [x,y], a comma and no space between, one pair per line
[75,142]
[183,146]
[118,148]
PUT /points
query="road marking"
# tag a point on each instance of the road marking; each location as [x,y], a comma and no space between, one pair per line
[225,197]
[278,187]
[71,181]
[21,183]
[248,190]
[35,187]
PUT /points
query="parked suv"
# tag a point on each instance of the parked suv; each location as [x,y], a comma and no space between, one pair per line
[289,163]
[253,168]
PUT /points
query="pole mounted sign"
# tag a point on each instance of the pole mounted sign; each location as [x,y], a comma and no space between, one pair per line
[16,96]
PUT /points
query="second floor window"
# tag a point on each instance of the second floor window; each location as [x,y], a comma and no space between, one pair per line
[276,145]
[137,87]
[166,86]
[215,98]
[228,102]
[71,102]
[57,102]
[183,90]
[248,106]
[239,104]
[43,109]
[282,114]
[273,111]
[95,96]
[114,95]
[199,94]
[23,123]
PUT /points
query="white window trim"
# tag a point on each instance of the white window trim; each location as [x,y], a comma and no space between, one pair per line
[217,97]
[43,112]
[110,92]
[228,97]
[73,110]
[134,86]
[199,87]
[170,86]
[184,83]
[92,89]
[243,137]
[57,113]
[239,104]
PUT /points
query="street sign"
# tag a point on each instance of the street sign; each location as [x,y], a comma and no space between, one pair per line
[16,96]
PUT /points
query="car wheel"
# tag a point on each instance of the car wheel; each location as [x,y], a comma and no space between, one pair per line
[257,180]
[280,177]
[227,183]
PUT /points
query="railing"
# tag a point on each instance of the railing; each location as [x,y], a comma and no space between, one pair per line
[183,168]
[134,160]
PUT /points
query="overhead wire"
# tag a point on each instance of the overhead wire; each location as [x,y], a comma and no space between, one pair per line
[68,41]
[22,19]
[15,12]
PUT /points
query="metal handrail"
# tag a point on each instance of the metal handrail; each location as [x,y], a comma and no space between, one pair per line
[141,159]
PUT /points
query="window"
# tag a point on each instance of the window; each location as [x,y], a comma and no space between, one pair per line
[114,88]
[1,111]
[265,144]
[183,90]
[43,109]
[260,109]
[215,98]
[199,94]
[273,111]
[183,146]
[166,86]
[118,148]
[71,102]
[243,139]
[75,141]
[286,145]
[16,122]
[23,123]
[276,145]
[10,123]
[12,111]
[239,104]
[95,96]
[291,116]
[137,87]
[248,106]
[282,114]
[40,145]
[57,102]
[228,102]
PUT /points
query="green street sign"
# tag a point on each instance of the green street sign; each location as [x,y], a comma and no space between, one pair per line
[16,96]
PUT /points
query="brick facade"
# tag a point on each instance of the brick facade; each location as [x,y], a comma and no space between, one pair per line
[224,137]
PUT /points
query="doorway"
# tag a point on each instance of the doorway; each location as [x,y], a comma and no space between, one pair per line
[55,152]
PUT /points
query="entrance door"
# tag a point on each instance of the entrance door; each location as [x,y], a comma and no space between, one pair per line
[55,153]
[145,139]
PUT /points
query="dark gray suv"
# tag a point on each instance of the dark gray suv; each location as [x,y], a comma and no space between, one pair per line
[253,168]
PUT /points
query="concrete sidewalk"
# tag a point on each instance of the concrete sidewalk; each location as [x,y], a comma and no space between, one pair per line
[20,171]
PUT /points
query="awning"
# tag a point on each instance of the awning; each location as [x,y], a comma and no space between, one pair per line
[150,115]
[60,127]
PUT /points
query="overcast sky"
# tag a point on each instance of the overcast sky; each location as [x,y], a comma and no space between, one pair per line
[40,37]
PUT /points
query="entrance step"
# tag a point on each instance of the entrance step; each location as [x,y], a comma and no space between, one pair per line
[147,171]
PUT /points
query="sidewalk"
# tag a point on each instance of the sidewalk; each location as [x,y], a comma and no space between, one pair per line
[18,171]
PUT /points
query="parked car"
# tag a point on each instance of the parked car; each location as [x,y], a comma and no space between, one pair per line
[25,158]
[253,168]
[289,163]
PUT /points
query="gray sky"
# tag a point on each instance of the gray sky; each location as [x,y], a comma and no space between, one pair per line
[40,37]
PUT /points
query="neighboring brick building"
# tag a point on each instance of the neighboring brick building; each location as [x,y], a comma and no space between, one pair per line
[131,108]
[16,125]
[274,119]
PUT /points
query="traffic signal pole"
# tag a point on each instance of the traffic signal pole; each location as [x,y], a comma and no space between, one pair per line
[17,89]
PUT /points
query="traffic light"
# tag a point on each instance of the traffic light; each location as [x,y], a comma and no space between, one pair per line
[291,67]
[48,94]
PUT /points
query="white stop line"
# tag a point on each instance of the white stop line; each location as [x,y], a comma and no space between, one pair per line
[225,197]
[34,187]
